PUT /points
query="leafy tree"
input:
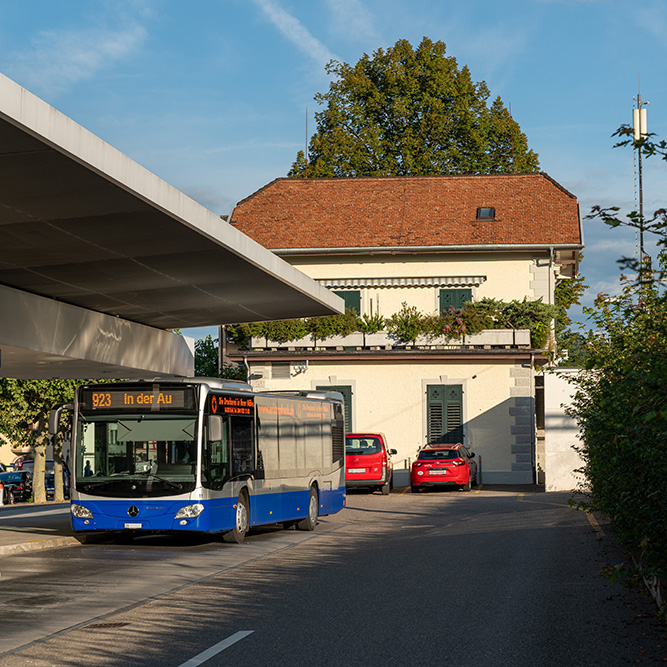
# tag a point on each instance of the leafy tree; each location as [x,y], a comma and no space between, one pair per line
[408,111]
[655,224]
[206,361]
[567,294]
[620,404]
[24,411]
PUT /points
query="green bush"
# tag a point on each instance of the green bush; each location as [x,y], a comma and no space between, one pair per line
[370,324]
[408,323]
[621,407]
[334,325]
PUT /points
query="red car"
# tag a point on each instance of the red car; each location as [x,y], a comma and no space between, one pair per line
[368,462]
[444,465]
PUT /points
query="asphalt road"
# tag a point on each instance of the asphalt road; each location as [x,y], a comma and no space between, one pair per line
[493,577]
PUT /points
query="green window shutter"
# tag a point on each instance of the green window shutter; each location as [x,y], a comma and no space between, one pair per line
[454,298]
[444,413]
[346,390]
[352,299]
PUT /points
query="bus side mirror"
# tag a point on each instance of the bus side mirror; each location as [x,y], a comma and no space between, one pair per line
[54,417]
[214,432]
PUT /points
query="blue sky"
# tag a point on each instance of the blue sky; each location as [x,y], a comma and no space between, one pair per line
[213,95]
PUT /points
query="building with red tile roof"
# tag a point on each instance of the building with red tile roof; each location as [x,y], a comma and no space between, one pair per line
[429,242]
[411,212]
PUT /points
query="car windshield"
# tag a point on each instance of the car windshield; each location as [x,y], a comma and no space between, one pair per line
[438,454]
[136,456]
[29,464]
[12,477]
[363,445]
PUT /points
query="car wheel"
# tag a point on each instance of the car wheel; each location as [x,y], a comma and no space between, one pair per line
[414,489]
[385,488]
[310,521]
[238,533]
[467,486]
[9,497]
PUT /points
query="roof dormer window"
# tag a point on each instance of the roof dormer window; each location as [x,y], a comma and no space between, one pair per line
[486,213]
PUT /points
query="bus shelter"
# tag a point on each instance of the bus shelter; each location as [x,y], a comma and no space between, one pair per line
[100,259]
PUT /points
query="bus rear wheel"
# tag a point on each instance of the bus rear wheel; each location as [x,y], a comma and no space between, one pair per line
[238,533]
[310,521]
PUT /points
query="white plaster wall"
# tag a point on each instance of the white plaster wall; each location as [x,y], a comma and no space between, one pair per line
[508,276]
[390,398]
[561,434]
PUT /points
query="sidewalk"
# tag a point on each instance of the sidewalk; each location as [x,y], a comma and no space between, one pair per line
[28,527]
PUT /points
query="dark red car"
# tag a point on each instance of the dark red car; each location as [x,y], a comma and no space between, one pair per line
[444,465]
[368,462]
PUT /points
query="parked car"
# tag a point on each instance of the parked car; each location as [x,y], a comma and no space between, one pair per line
[17,485]
[444,465]
[49,475]
[368,462]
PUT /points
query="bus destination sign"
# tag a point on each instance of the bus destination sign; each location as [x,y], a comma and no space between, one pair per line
[232,405]
[156,399]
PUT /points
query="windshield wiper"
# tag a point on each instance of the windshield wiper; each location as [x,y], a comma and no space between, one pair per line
[166,482]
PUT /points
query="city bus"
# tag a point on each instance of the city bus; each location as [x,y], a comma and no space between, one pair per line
[204,455]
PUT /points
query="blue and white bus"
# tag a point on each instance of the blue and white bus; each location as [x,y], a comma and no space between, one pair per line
[204,455]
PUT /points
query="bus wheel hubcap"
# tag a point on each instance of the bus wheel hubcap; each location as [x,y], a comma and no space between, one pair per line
[241,517]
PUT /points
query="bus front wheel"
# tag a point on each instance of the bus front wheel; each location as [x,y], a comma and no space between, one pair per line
[310,521]
[238,533]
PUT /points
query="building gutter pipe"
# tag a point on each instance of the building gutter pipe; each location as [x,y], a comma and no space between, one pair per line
[393,250]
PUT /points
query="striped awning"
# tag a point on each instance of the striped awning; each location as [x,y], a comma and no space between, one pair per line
[428,281]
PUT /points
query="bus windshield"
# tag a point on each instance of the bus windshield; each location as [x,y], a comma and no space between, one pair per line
[136,456]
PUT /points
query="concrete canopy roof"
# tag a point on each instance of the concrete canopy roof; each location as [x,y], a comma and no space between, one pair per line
[82,224]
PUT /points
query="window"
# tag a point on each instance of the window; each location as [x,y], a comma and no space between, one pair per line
[486,213]
[352,299]
[453,298]
[444,413]
[281,370]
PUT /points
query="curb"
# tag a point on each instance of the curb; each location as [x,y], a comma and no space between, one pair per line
[38,545]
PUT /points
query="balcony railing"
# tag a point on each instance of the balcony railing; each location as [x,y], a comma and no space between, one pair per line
[383,340]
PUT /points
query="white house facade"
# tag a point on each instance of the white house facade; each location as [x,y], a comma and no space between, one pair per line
[431,243]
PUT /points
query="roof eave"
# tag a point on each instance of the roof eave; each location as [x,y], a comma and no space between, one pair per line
[394,250]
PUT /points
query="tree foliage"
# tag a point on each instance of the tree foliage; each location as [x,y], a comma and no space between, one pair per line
[621,403]
[206,361]
[567,294]
[24,411]
[655,224]
[405,111]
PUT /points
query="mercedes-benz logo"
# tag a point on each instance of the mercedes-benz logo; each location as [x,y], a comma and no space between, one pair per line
[133,511]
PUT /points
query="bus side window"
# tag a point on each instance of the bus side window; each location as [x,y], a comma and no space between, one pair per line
[242,433]
[215,462]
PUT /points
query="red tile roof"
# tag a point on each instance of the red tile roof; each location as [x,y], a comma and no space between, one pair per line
[530,209]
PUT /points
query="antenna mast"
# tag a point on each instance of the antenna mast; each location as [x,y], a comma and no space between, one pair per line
[639,133]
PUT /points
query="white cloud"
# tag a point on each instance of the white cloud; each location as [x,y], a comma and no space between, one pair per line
[295,32]
[608,287]
[651,17]
[621,247]
[60,59]
[352,20]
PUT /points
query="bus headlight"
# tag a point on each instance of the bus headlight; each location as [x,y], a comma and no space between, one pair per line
[189,511]
[81,512]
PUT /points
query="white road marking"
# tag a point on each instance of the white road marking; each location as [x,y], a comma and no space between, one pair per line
[219,647]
